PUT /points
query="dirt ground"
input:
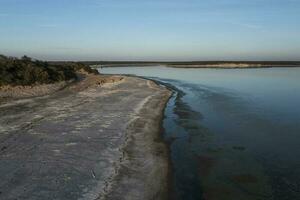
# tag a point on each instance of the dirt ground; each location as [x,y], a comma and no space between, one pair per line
[98,138]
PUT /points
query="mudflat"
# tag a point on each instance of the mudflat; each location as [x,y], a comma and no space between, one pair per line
[94,139]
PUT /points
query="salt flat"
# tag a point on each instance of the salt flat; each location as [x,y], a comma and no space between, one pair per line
[91,140]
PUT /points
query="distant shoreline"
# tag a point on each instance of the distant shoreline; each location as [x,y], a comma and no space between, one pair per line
[228,66]
[233,66]
[197,64]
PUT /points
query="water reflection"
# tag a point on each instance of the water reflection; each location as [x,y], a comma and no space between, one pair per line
[234,133]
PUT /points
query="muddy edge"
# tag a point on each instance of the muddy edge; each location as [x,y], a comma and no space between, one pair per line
[144,169]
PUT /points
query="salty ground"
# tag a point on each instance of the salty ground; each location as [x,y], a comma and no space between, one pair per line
[98,138]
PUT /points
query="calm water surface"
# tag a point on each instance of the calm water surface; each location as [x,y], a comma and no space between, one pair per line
[233,133]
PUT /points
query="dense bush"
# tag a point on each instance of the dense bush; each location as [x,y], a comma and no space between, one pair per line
[80,66]
[25,71]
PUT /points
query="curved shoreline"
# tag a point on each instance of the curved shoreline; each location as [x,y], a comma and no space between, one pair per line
[144,143]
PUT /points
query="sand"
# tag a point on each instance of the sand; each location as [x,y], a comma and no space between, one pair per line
[99,138]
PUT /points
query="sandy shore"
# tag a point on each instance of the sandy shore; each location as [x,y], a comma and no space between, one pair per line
[98,138]
[230,66]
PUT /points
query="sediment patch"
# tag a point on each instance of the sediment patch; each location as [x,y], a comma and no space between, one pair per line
[94,139]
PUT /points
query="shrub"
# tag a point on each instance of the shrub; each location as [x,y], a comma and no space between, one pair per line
[25,71]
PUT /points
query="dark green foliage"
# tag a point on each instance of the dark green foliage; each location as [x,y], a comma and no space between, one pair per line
[25,71]
[80,66]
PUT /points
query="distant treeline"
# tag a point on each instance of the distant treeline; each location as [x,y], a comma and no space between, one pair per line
[119,63]
[145,63]
[26,71]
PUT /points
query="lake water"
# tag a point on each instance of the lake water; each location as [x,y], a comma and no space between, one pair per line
[234,134]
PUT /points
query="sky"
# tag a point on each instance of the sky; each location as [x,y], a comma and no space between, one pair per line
[162,30]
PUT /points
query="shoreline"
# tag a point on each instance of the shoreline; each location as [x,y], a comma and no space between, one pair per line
[195,63]
[134,158]
[171,194]
[191,66]
[174,92]
[158,150]
[231,66]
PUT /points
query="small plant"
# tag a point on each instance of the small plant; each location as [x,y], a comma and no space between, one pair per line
[26,71]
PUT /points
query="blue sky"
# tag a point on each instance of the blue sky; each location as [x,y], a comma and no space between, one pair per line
[151,29]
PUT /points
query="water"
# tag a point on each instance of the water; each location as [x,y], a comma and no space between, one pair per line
[233,133]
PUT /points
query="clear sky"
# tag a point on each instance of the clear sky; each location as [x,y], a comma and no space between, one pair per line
[151,29]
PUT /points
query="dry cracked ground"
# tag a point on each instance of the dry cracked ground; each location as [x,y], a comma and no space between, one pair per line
[93,142]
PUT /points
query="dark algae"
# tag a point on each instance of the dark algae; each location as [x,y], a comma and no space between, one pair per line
[184,184]
[233,134]
[200,166]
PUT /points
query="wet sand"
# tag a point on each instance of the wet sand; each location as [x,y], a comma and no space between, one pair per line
[95,139]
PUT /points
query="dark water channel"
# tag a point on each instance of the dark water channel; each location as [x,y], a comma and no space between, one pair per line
[234,134]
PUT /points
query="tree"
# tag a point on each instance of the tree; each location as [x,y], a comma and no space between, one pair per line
[26,59]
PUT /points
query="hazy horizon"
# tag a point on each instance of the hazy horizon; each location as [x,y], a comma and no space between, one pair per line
[140,30]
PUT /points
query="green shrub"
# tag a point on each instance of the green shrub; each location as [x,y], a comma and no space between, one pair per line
[25,71]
